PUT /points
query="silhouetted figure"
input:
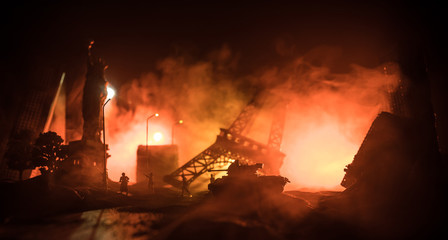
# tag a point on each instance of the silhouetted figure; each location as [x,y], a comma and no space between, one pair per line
[185,186]
[212,178]
[150,182]
[124,183]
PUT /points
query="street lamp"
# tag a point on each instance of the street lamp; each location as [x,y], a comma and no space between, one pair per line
[110,95]
[172,130]
[154,115]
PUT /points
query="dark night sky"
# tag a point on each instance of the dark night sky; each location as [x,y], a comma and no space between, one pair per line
[132,35]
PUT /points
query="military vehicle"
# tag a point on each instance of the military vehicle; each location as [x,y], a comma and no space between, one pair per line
[243,179]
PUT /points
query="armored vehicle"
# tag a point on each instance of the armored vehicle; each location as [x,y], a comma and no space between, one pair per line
[244,179]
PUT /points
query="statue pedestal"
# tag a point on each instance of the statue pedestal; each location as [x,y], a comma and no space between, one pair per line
[87,160]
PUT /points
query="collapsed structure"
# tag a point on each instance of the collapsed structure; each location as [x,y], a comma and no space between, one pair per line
[231,145]
[396,184]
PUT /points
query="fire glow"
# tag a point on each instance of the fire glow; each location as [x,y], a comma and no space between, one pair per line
[326,120]
[157,137]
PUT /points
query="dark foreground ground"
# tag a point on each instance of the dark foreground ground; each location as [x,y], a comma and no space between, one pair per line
[94,214]
[91,213]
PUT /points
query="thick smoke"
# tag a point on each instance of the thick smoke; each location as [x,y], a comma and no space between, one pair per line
[327,116]
[203,94]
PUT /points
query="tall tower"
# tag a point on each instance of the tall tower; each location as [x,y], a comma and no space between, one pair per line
[231,145]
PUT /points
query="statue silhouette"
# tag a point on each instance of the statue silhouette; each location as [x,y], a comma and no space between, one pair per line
[94,95]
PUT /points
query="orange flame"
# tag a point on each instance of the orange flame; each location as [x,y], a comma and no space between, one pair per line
[328,116]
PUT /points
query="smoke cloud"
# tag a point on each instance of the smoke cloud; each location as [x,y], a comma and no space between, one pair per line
[328,113]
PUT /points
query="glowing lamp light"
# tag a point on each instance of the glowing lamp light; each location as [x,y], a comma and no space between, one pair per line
[110,93]
[172,130]
[156,114]
[157,136]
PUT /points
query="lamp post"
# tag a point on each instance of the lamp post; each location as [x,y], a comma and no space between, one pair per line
[172,130]
[110,95]
[154,115]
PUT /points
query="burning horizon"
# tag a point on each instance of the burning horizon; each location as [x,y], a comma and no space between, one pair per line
[327,118]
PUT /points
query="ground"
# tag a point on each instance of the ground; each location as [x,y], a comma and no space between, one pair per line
[166,215]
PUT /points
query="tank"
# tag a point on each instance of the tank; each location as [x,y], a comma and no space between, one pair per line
[243,180]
